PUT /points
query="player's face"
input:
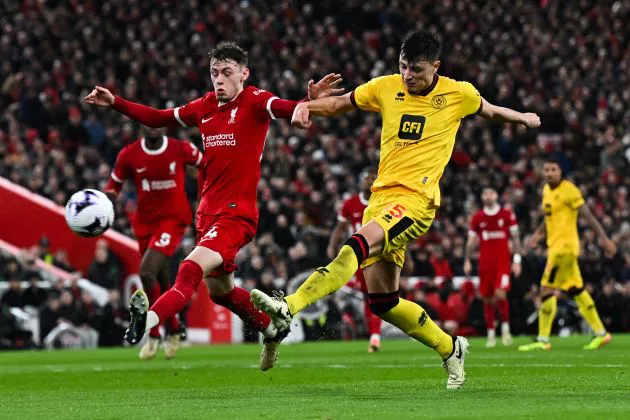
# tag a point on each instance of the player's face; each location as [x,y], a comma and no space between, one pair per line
[552,173]
[419,75]
[489,197]
[227,78]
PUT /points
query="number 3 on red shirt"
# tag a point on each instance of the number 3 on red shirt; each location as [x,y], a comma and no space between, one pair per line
[397,211]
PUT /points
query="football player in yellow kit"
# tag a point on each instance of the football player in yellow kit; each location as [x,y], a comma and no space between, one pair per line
[421,113]
[562,202]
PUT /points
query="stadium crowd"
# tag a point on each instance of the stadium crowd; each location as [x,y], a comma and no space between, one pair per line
[567,61]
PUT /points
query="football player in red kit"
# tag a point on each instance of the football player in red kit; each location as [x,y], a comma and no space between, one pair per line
[348,221]
[156,164]
[492,228]
[233,121]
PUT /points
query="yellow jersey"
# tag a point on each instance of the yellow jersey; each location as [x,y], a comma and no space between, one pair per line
[418,131]
[561,206]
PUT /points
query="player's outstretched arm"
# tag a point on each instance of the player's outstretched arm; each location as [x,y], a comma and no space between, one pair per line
[145,115]
[609,246]
[538,235]
[336,238]
[471,243]
[325,107]
[502,115]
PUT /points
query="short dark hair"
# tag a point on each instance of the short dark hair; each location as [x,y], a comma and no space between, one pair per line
[420,46]
[228,50]
[554,160]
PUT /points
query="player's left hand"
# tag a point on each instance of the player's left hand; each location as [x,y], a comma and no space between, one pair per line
[325,87]
[516,269]
[531,120]
[610,249]
[301,116]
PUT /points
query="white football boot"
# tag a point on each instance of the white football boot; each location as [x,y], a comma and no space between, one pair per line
[492,339]
[149,349]
[171,346]
[454,365]
[278,310]
[506,336]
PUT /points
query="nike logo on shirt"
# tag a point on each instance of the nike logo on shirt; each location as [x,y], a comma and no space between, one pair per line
[205,120]
[140,170]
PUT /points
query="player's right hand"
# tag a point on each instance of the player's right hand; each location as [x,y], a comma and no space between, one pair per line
[301,116]
[610,249]
[467,267]
[100,96]
[531,120]
[331,252]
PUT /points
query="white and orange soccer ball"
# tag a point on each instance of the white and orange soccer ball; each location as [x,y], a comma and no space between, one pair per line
[89,213]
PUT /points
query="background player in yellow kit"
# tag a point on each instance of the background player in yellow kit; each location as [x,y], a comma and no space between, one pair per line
[421,113]
[562,201]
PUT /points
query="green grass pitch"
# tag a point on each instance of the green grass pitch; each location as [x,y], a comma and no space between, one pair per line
[326,380]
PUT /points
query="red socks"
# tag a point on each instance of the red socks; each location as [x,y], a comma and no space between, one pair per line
[504,310]
[153,293]
[488,314]
[238,301]
[174,300]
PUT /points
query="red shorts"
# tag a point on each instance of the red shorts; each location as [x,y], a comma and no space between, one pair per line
[225,234]
[492,279]
[163,236]
[359,281]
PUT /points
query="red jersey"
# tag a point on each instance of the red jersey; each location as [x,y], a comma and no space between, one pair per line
[159,178]
[352,211]
[493,230]
[233,137]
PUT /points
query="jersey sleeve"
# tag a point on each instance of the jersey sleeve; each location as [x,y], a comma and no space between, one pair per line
[367,96]
[512,222]
[189,115]
[190,154]
[119,173]
[574,198]
[269,106]
[474,226]
[471,99]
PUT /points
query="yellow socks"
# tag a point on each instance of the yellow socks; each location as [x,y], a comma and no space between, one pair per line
[416,323]
[546,316]
[325,280]
[589,312]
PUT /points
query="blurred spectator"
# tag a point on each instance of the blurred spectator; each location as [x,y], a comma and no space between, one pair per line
[113,321]
[34,295]
[14,296]
[105,269]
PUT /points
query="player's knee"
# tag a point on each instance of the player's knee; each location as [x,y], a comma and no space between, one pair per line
[381,303]
[148,277]
[575,291]
[360,246]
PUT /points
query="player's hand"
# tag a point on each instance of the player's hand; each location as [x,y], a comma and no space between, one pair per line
[467,267]
[325,87]
[531,120]
[301,116]
[331,252]
[610,249]
[516,269]
[533,241]
[100,96]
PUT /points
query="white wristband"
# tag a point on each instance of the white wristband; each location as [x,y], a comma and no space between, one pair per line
[516,259]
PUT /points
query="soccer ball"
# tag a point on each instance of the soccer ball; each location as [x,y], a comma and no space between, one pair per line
[89,213]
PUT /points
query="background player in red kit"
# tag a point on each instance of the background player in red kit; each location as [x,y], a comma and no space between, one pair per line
[233,122]
[156,164]
[348,221]
[492,227]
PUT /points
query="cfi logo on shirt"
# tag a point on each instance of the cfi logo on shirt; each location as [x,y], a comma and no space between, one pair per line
[171,167]
[145,185]
[232,119]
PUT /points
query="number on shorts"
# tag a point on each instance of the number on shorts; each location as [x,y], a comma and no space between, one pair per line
[165,239]
[397,211]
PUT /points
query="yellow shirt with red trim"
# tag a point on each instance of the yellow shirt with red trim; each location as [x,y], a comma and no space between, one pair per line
[418,131]
[561,206]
